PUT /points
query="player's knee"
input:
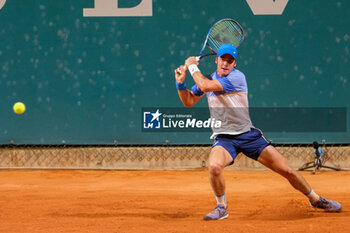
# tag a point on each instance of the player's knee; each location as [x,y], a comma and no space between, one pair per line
[215,169]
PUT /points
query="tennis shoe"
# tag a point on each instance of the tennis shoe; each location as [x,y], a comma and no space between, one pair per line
[327,205]
[218,213]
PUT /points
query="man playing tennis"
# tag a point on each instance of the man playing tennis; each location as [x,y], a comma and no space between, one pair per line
[227,93]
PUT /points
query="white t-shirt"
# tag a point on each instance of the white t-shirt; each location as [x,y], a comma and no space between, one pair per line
[229,106]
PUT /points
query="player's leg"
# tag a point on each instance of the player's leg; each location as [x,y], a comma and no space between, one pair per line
[219,158]
[272,159]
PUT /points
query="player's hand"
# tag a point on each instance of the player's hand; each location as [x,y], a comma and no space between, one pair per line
[191,61]
[180,74]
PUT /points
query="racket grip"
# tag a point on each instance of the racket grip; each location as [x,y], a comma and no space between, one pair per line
[198,58]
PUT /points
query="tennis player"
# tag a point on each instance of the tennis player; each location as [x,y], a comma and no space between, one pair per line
[227,94]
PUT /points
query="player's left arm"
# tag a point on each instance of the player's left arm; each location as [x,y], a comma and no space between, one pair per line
[204,84]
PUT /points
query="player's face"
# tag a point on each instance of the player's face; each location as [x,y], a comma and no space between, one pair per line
[225,64]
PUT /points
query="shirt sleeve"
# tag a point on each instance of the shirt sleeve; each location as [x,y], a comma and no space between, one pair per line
[234,82]
[226,84]
[196,91]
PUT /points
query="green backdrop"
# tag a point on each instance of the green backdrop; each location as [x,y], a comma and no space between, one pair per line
[85,80]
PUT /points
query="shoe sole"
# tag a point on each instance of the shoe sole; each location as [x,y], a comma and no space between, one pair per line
[327,210]
[210,219]
[223,217]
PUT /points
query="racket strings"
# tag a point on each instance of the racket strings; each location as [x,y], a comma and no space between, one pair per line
[226,35]
[226,32]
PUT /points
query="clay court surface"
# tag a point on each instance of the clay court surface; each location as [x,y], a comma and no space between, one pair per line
[164,201]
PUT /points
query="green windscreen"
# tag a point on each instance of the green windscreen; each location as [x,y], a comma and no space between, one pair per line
[86,80]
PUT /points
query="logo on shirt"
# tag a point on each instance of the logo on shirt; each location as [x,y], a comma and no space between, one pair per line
[152,120]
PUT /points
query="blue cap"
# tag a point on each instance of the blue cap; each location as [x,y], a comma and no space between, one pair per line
[227,49]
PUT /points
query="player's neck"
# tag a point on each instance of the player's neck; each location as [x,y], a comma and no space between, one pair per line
[222,75]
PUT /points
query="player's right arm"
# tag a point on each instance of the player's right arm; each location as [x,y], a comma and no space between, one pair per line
[186,96]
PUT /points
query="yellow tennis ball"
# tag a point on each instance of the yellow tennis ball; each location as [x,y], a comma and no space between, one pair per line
[19,108]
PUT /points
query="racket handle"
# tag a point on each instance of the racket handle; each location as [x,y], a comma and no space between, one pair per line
[198,58]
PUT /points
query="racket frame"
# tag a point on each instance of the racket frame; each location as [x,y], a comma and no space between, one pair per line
[200,56]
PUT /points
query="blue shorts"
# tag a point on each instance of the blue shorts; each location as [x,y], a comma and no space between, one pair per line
[250,143]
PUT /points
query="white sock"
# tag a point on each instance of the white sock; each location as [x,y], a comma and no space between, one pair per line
[221,200]
[313,196]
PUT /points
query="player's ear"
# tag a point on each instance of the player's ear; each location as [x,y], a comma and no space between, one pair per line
[216,60]
[234,63]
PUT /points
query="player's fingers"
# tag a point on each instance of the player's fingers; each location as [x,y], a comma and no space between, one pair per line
[191,61]
[178,71]
[195,60]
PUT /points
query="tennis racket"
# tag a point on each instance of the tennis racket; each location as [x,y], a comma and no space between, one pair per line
[225,31]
